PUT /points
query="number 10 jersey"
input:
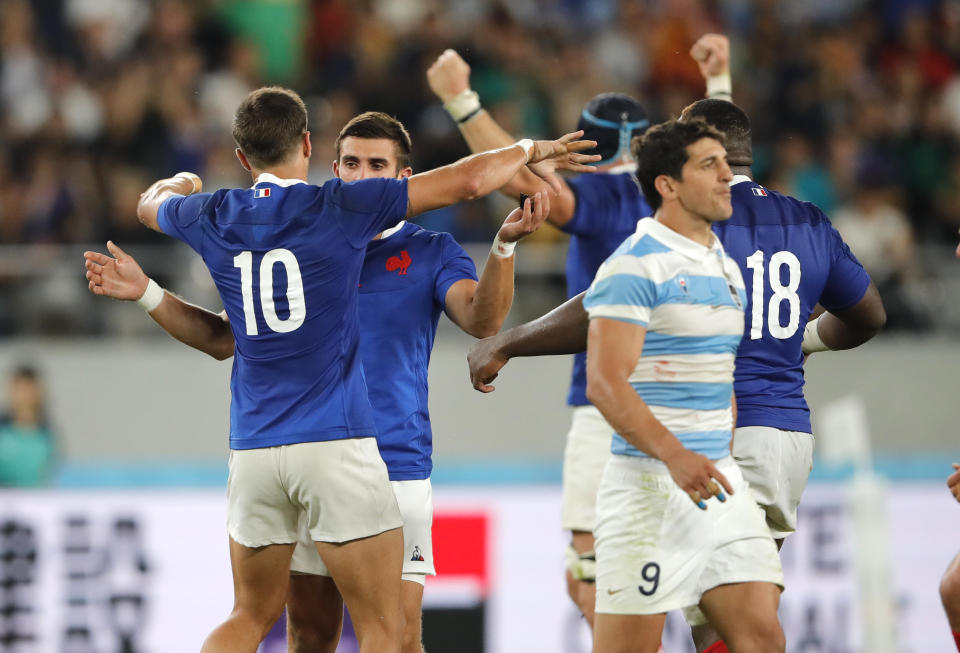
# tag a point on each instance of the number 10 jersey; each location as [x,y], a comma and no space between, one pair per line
[791,258]
[286,258]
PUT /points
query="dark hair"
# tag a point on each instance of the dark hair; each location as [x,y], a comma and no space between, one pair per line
[612,120]
[376,124]
[268,124]
[732,121]
[26,372]
[663,151]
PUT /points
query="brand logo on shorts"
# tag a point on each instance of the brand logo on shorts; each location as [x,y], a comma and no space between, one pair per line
[399,263]
[417,556]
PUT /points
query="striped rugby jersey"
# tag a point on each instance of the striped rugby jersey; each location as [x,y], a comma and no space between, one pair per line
[690,298]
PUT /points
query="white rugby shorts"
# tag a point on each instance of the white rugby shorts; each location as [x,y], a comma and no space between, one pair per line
[585,455]
[777,465]
[657,551]
[340,486]
[415,500]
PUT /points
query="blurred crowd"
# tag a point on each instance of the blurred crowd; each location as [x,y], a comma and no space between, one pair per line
[855,103]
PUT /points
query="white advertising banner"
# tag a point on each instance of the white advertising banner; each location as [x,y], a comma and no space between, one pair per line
[145,571]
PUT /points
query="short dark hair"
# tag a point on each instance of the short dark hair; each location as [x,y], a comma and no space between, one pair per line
[732,121]
[376,124]
[663,151]
[268,124]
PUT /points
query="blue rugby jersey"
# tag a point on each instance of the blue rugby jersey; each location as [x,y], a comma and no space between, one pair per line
[403,289]
[690,299]
[286,258]
[791,258]
[607,209]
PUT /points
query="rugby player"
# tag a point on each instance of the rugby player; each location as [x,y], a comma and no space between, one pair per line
[666,318]
[302,427]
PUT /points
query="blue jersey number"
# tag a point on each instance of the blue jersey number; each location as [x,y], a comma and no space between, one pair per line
[780,293]
[298,309]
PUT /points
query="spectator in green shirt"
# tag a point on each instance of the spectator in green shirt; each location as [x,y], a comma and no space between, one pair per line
[26,442]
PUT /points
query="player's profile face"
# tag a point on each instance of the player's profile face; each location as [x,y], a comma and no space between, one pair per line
[366,158]
[704,188]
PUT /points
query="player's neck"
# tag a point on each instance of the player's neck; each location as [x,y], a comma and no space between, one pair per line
[746,171]
[688,225]
[293,170]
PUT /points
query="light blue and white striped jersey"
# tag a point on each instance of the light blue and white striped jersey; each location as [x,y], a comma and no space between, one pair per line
[690,298]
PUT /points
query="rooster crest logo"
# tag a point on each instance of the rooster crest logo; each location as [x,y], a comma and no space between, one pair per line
[417,556]
[399,263]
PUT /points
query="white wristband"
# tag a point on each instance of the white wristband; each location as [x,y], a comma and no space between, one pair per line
[526,145]
[812,342]
[720,87]
[151,297]
[501,249]
[464,105]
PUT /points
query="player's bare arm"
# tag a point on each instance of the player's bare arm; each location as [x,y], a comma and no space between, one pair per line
[121,277]
[480,174]
[953,481]
[182,183]
[479,308]
[848,328]
[613,348]
[449,79]
[561,331]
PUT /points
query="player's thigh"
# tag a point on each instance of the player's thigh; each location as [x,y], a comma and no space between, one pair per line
[367,572]
[618,633]
[342,488]
[586,453]
[776,464]
[260,578]
[745,612]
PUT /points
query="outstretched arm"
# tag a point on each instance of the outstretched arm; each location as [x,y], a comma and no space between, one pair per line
[561,331]
[479,308]
[122,278]
[480,174]
[182,183]
[449,79]
[848,328]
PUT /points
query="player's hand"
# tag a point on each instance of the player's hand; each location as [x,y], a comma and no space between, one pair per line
[953,482]
[697,476]
[485,360]
[525,220]
[448,76]
[712,54]
[562,154]
[120,277]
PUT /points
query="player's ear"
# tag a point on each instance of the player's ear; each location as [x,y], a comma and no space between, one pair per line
[666,186]
[243,160]
[336,169]
[307,145]
[405,173]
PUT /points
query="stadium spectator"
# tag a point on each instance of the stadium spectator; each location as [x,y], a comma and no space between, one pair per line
[27,443]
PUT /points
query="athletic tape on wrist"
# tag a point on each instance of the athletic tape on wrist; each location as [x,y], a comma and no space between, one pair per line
[151,297]
[526,145]
[812,342]
[582,566]
[501,249]
[464,105]
[720,87]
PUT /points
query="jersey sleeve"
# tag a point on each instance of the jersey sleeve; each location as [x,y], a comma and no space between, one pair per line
[847,281]
[622,290]
[597,205]
[455,266]
[368,206]
[179,216]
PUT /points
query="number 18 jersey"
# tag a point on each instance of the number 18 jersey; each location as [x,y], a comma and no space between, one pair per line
[791,258]
[286,258]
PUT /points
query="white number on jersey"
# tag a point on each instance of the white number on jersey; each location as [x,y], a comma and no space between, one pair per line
[295,300]
[781,293]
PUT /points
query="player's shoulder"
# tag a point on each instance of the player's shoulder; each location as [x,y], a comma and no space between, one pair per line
[756,204]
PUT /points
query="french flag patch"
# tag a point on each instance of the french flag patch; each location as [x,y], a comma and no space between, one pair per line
[761,192]
[265,192]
